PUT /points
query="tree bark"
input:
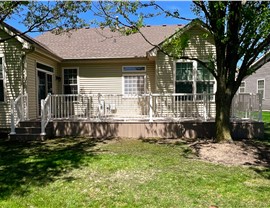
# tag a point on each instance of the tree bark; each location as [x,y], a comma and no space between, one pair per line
[223,106]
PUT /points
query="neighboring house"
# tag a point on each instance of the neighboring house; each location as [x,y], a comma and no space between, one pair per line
[259,82]
[93,60]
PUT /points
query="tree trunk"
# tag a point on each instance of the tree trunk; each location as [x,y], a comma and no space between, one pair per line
[223,107]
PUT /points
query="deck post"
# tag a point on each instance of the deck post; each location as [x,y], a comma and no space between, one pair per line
[26,107]
[150,108]
[12,122]
[204,106]
[42,118]
[260,107]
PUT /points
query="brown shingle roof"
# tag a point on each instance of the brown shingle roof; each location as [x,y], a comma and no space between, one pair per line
[94,43]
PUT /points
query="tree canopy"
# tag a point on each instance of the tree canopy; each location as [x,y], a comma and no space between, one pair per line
[40,16]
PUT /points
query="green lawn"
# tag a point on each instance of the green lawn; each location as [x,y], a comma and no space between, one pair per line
[125,173]
[266,120]
[266,116]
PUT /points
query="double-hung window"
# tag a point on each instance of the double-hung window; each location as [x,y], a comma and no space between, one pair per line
[184,78]
[260,87]
[242,87]
[205,80]
[70,81]
[2,83]
[193,77]
[134,80]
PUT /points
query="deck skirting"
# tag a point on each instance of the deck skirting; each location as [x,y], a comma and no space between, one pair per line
[161,129]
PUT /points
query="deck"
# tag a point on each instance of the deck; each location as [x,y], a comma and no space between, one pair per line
[151,115]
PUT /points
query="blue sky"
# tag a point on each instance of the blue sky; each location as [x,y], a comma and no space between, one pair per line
[182,6]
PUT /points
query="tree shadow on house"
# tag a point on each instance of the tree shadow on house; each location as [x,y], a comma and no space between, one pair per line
[24,165]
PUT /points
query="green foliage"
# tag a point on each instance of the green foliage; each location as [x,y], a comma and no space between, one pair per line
[77,172]
[175,45]
[40,16]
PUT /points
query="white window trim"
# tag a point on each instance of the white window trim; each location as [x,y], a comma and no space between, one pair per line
[263,87]
[135,70]
[78,78]
[123,84]
[45,71]
[4,78]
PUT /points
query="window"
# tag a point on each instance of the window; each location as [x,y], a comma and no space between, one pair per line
[184,78]
[2,87]
[242,87]
[133,68]
[205,80]
[70,81]
[134,84]
[193,77]
[44,67]
[260,87]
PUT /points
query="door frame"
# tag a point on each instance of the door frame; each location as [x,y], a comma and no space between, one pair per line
[37,83]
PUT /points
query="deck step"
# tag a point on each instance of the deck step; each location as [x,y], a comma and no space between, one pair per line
[30,124]
[28,130]
[31,130]
[28,137]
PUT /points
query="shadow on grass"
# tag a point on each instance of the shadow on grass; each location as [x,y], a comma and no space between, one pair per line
[23,165]
[265,172]
[267,132]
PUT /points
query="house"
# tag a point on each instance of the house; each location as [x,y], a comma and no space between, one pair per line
[97,74]
[259,81]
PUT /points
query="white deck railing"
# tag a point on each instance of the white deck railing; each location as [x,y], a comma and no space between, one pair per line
[147,107]
[247,106]
[19,111]
[45,112]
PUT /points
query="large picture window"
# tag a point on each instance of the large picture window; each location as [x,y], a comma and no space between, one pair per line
[71,81]
[2,85]
[193,77]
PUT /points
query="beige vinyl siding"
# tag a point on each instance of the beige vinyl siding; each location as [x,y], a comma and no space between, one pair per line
[106,77]
[200,46]
[164,73]
[31,80]
[11,50]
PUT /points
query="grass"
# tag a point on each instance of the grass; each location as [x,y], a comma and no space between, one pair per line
[125,173]
[266,120]
[266,116]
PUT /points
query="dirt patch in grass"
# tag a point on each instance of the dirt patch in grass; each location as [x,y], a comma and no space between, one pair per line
[244,152]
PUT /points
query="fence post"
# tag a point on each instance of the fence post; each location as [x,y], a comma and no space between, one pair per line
[150,108]
[260,107]
[42,117]
[12,121]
